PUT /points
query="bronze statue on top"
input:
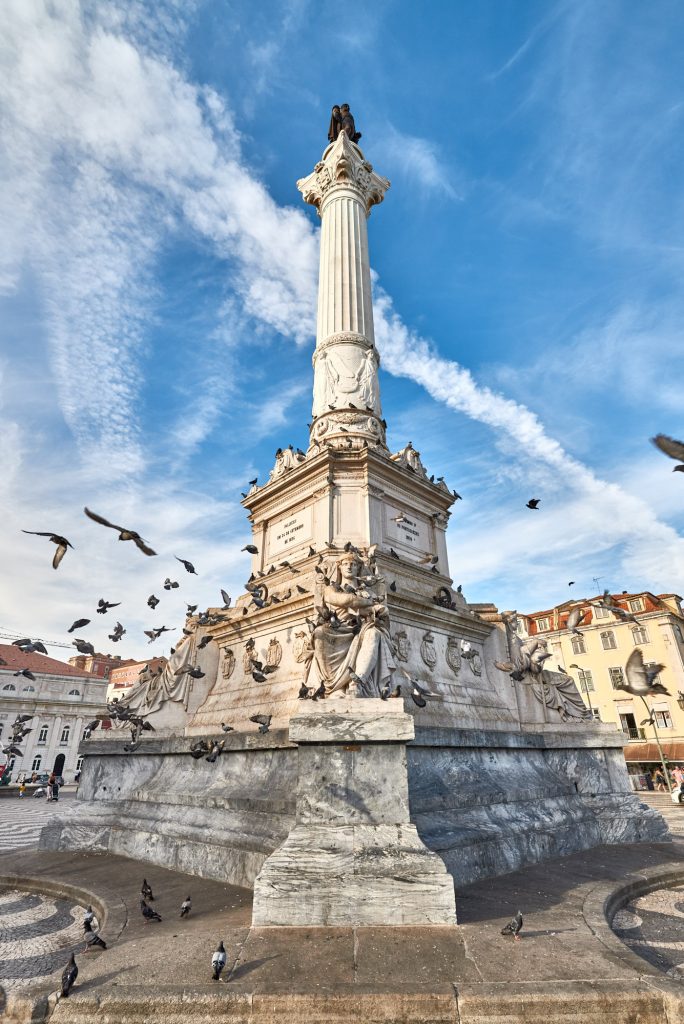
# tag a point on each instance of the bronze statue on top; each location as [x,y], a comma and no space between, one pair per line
[342,120]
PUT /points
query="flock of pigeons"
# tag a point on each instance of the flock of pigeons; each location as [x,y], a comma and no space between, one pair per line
[20,729]
[93,939]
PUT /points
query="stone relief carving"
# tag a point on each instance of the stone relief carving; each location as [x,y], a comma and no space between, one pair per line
[274,654]
[554,690]
[453,654]
[352,651]
[286,459]
[402,645]
[346,374]
[302,648]
[228,663]
[248,656]
[172,683]
[410,459]
[427,650]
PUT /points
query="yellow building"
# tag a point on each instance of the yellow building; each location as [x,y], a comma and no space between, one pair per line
[597,660]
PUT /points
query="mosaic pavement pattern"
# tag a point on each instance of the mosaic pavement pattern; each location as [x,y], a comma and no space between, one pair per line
[37,933]
[653,927]
[22,818]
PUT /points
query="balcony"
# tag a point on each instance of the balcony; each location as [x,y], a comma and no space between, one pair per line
[634,734]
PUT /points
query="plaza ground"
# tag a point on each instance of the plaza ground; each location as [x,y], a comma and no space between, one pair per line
[567,964]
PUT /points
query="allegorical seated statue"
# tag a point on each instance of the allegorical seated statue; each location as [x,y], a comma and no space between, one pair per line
[350,650]
[557,691]
[342,120]
[154,688]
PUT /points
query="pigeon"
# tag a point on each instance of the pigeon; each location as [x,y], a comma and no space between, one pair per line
[28,646]
[186,907]
[196,673]
[301,590]
[13,751]
[226,599]
[148,913]
[575,617]
[514,927]
[623,614]
[104,606]
[393,553]
[152,601]
[27,673]
[667,445]
[393,587]
[258,677]
[61,542]
[92,939]
[119,631]
[311,551]
[571,583]
[199,749]
[251,548]
[124,534]
[226,728]
[303,692]
[429,560]
[215,752]
[170,584]
[146,891]
[401,518]
[78,624]
[83,647]
[155,633]
[263,721]
[20,719]
[218,962]
[189,567]
[641,679]
[89,915]
[69,976]
[204,642]
[287,565]
[533,503]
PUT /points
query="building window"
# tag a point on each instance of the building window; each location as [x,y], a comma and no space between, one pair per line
[43,734]
[662,719]
[79,764]
[542,624]
[105,674]
[636,605]
[586,682]
[608,640]
[36,763]
[600,612]
[639,635]
[596,714]
[74,693]
[64,738]
[578,646]
[617,678]
[29,689]
[10,687]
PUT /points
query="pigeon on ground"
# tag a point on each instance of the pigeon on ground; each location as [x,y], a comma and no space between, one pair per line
[83,647]
[152,601]
[186,907]
[667,445]
[170,584]
[263,721]
[148,913]
[514,927]
[533,503]
[640,678]
[215,751]
[393,553]
[251,548]
[61,542]
[78,624]
[146,891]
[69,975]
[124,534]
[27,673]
[92,939]
[189,567]
[218,962]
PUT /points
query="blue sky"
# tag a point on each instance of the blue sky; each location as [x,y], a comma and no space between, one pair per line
[158,276]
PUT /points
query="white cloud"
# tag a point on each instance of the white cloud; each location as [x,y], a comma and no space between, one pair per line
[419,160]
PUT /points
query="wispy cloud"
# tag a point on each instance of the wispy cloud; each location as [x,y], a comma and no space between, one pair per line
[419,160]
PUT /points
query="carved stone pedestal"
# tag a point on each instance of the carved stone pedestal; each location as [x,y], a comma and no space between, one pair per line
[353,857]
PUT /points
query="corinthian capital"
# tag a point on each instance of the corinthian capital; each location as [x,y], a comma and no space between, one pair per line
[343,167]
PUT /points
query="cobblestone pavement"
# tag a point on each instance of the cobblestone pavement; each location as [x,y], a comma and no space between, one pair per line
[37,933]
[22,818]
[653,926]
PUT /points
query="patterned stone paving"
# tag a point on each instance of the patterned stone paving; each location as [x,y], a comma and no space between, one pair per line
[653,927]
[37,933]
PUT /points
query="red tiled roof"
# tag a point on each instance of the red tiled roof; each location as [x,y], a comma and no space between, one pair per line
[38,663]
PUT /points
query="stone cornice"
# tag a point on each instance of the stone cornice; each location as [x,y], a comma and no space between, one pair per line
[343,169]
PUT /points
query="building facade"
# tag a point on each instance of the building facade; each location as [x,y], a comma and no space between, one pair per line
[62,700]
[126,675]
[597,660]
[98,664]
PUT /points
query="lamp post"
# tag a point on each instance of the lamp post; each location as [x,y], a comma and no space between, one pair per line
[651,721]
[586,687]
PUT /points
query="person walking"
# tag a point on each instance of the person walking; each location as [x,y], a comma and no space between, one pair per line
[660,781]
[55,787]
[50,786]
[22,788]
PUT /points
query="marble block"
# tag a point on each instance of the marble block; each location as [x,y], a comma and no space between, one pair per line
[353,857]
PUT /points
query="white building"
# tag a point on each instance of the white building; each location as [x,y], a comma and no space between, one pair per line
[62,699]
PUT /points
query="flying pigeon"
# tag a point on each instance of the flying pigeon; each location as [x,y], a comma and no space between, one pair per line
[199,749]
[533,503]
[83,647]
[640,678]
[170,584]
[124,534]
[28,646]
[225,598]
[263,721]
[251,548]
[186,907]
[575,618]
[514,927]
[215,751]
[189,567]
[148,913]
[104,606]
[667,445]
[218,961]
[27,673]
[78,624]
[152,601]
[61,542]
[69,975]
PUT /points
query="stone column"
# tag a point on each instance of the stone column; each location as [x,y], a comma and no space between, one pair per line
[353,857]
[346,407]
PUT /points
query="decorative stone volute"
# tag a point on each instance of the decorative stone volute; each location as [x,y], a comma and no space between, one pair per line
[343,165]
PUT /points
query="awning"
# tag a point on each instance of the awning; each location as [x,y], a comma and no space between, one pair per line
[646,752]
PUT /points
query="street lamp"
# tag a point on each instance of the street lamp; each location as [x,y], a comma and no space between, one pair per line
[586,687]
[651,721]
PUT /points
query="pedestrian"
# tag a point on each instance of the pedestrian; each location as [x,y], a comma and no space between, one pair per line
[34,778]
[22,788]
[660,781]
[55,787]
[678,774]
[50,785]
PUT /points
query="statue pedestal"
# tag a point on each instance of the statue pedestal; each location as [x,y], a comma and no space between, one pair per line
[353,857]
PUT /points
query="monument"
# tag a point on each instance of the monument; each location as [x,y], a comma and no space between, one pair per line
[405,741]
